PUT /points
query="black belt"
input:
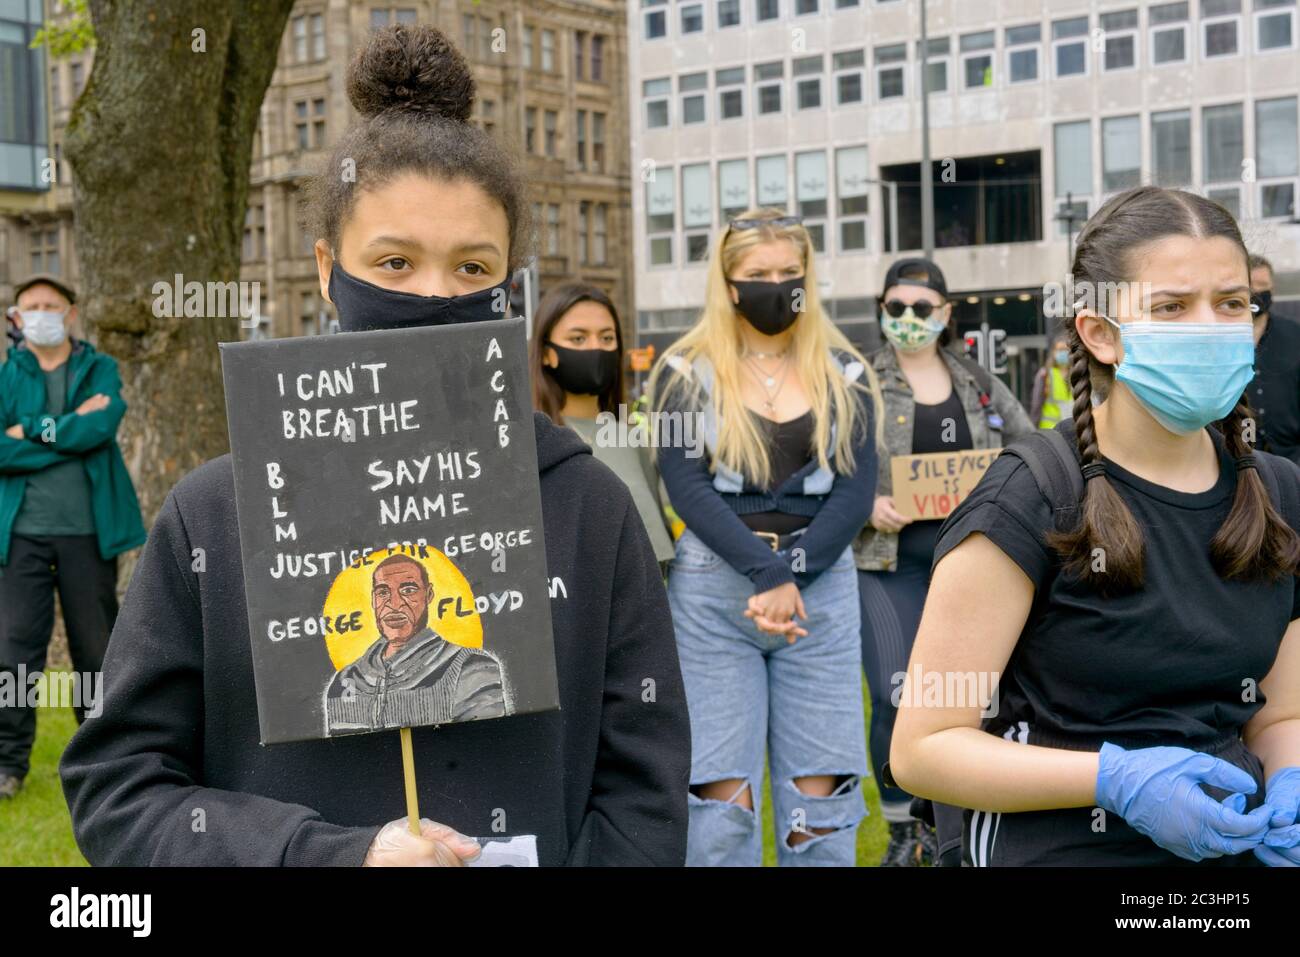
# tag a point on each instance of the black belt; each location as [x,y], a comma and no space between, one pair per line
[780,543]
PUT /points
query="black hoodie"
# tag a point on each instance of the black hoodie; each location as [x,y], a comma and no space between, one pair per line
[172,772]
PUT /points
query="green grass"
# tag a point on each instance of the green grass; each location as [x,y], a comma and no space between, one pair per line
[35,829]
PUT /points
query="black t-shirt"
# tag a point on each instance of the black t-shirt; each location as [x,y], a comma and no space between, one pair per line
[1175,662]
[931,424]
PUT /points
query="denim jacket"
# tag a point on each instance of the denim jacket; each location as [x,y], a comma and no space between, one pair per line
[878,551]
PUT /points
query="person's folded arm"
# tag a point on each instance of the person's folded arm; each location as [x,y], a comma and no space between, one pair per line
[19,456]
[844,511]
[133,775]
[73,433]
[701,507]
[636,814]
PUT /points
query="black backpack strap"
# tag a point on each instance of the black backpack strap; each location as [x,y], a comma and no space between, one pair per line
[1050,456]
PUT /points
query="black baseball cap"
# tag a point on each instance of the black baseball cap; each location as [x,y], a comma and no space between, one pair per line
[66,291]
[904,273]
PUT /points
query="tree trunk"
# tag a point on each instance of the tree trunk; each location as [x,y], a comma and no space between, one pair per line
[160,144]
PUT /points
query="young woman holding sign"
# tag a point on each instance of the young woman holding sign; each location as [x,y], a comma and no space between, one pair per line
[1147,639]
[576,361]
[936,400]
[423,228]
[787,409]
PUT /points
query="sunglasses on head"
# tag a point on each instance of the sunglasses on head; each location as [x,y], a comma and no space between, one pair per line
[921,308]
[756,223]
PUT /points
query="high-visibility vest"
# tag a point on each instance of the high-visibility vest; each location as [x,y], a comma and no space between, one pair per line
[1057,404]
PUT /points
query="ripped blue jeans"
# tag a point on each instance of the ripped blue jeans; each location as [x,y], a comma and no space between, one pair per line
[747,690]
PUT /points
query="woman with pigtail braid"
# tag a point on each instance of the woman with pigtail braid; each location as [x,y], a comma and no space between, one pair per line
[1141,643]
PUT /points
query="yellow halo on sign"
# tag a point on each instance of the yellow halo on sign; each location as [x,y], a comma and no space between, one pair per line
[452,614]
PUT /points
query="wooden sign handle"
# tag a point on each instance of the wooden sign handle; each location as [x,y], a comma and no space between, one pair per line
[408,772]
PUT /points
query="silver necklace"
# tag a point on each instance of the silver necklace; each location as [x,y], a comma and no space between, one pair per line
[768,381]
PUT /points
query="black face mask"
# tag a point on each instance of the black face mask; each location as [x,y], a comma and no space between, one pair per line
[584,371]
[1264,300]
[363,306]
[769,306]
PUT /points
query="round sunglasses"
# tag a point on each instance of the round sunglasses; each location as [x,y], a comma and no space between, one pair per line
[921,308]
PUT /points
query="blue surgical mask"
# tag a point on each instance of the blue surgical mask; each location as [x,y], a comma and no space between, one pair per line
[1186,374]
[1062,357]
[42,328]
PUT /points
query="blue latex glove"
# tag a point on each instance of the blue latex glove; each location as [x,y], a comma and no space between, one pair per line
[1158,792]
[1281,847]
[1282,794]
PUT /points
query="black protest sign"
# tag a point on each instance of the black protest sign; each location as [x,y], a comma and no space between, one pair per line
[390,521]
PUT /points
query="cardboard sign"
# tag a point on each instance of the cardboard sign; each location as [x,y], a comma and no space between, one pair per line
[930,486]
[390,521]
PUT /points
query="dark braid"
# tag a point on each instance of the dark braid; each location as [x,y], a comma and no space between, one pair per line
[1106,548]
[1254,541]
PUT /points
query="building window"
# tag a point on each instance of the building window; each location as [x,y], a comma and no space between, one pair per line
[728,13]
[299,30]
[584,229]
[697,211]
[530,130]
[1072,158]
[1070,46]
[1277,153]
[553,229]
[469,33]
[1022,45]
[551,122]
[693,87]
[1169,28]
[78,79]
[301,125]
[661,219]
[488,113]
[851,193]
[309,313]
[977,59]
[254,233]
[767,10]
[1121,153]
[770,177]
[804,7]
[1220,28]
[656,93]
[1223,140]
[811,191]
[600,235]
[317,23]
[579,54]
[692,18]
[768,81]
[44,245]
[890,80]
[731,92]
[580,138]
[318,122]
[598,58]
[56,88]
[1274,25]
[526,46]
[1171,148]
[1119,38]
[548,51]
[383,16]
[598,142]
[733,189]
[656,21]
[807,73]
[935,64]
[848,67]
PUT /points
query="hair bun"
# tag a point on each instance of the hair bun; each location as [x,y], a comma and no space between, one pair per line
[411,68]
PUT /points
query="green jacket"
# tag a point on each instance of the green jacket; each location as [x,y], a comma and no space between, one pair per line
[90,437]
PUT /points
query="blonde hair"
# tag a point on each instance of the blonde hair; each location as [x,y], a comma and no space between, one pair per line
[717,337]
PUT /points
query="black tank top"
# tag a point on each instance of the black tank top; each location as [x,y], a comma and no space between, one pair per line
[931,424]
[789,448]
